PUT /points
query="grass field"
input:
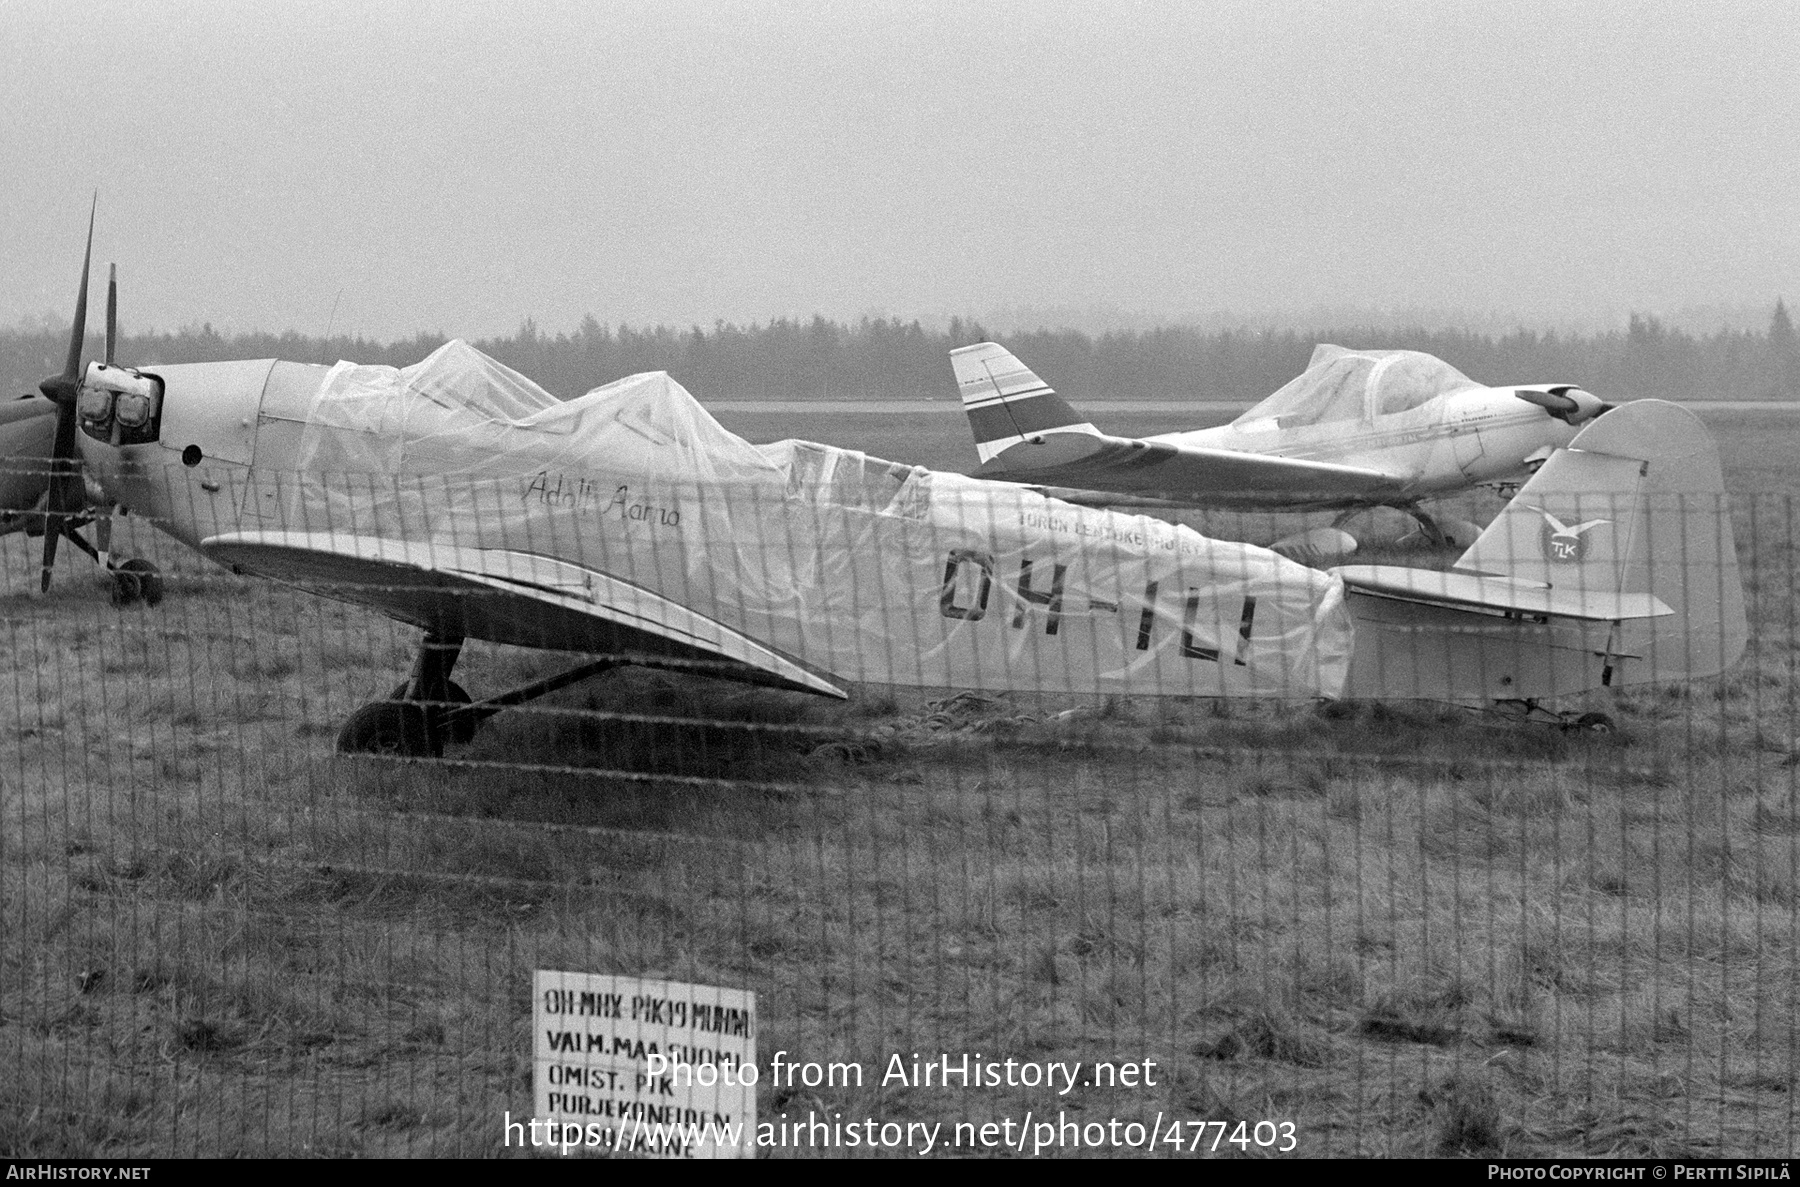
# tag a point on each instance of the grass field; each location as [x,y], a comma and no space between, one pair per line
[1404,929]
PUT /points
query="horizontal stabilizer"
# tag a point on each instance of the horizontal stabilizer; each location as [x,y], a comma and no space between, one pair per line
[1500,594]
[511,597]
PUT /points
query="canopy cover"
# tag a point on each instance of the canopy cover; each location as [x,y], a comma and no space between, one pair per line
[1341,385]
[864,569]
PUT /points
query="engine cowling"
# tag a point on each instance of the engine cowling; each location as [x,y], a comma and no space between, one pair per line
[118,405]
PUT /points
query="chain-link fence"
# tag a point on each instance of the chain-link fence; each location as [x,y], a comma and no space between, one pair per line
[1127,922]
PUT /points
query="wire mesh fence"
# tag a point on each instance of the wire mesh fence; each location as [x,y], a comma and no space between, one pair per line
[1025,915]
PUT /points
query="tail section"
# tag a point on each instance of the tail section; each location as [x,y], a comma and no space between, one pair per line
[1635,505]
[1007,404]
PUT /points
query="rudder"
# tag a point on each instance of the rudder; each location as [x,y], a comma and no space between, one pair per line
[1006,402]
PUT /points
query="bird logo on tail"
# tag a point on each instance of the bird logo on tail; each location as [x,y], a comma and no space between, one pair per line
[1565,542]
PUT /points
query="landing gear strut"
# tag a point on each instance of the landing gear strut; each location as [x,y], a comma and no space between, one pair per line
[1432,531]
[1428,526]
[133,580]
[430,709]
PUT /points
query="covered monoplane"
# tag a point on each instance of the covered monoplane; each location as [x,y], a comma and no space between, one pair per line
[1356,429]
[456,495]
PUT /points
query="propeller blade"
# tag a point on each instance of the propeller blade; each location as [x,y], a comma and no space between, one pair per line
[63,388]
[66,494]
[1570,405]
[58,506]
[1561,407]
[72,368]
[112,311]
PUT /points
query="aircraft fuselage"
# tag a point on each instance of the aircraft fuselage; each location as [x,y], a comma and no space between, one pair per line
[1485,436]
[219,426]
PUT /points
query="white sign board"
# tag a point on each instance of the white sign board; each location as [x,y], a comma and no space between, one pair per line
[663,1068]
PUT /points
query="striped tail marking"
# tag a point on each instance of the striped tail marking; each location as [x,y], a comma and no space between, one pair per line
[1006,402]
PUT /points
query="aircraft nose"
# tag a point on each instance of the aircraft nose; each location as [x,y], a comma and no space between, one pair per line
[1587,403]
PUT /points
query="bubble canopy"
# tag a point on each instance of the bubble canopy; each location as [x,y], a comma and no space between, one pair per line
[1340,384]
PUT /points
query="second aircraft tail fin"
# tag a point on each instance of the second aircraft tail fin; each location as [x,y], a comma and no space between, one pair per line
[1006,402]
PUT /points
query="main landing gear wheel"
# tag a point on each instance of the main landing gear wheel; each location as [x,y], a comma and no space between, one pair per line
[136,580]
[1569,722]
[126,588]
[420,715]
[150,582]
[395,729]
[461,726]
[430,709]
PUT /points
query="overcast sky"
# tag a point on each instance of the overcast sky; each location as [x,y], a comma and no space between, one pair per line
[459,167]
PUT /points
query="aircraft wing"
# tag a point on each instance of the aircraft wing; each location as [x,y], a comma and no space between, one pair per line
[1473,591]
[1218,477]
[512,597]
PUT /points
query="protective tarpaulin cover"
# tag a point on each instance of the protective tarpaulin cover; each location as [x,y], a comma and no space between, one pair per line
[864,569]
[1341,384]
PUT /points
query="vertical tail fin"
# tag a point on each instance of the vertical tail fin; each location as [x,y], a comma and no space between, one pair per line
[1636,504]
[1007,403]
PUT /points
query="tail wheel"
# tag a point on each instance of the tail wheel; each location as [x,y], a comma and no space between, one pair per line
[1594,723]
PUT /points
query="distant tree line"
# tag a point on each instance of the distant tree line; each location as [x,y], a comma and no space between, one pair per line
[882,359]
